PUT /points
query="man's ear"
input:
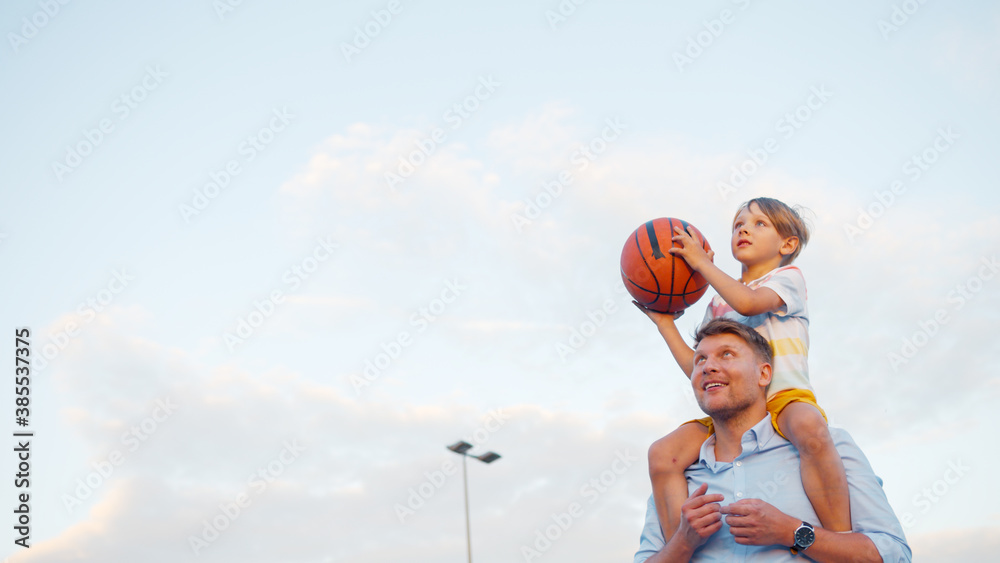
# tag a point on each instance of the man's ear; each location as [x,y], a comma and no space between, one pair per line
[789,246]
[765,375]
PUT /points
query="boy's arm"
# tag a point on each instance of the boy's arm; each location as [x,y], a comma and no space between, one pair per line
[683,354]
[744,300]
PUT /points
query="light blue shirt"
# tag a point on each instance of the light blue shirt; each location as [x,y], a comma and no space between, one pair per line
[768,469]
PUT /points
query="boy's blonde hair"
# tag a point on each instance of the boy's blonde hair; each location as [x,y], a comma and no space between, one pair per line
[787,221]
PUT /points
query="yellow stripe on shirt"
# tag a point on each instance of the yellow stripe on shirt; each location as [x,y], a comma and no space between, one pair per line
[788,346]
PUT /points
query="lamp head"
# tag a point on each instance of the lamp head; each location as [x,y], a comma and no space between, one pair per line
[460,447]
[488,457]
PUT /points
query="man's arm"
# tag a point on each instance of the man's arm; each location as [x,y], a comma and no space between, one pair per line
[755,522]
[835,546]
[877,536]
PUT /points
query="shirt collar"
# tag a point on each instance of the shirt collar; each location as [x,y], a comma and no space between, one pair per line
[753,440]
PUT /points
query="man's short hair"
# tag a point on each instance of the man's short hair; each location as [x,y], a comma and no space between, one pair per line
[753,338]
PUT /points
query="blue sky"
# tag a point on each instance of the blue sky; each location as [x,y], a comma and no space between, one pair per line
[379,321]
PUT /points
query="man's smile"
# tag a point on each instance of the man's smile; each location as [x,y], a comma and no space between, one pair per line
[712,385]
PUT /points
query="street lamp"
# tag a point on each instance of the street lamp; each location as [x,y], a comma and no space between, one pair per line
[461,448]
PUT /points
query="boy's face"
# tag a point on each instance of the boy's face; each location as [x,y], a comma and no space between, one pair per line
[755,240]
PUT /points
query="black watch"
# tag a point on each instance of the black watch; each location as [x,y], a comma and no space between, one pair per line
[805,535]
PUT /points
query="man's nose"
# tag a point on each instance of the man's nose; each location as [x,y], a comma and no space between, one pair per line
[709,366]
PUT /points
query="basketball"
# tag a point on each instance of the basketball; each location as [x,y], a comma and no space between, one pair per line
[657,279]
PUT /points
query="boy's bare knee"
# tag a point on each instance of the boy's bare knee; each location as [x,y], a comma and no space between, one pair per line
[663,457]
[815,445]
[807,426]
[817,440]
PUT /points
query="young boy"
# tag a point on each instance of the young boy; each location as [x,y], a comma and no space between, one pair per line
[771,297]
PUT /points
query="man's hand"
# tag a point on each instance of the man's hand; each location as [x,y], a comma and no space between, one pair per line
[690,250]
[701,517]
[755,522]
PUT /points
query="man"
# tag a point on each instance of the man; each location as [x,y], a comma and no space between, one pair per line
[747,502]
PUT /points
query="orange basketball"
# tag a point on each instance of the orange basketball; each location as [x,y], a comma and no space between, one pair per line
[655,278]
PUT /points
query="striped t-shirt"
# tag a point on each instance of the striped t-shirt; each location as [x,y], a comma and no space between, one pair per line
[785,329]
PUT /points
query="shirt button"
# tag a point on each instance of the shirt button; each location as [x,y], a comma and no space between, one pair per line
[739,464]
[739,495]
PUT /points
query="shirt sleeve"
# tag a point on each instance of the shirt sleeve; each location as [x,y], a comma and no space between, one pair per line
[651,541]
[870,510]
[790,286]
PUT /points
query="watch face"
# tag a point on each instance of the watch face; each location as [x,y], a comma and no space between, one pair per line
[804,536]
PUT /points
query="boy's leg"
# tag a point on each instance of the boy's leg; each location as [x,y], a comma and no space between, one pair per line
[668,458]
[823,475]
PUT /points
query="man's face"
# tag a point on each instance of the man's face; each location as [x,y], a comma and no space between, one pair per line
[728,377]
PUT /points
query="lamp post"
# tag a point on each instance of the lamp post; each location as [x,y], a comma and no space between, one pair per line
[462,448]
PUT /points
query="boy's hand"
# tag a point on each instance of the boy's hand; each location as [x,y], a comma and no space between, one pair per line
[690,250]
[656,316]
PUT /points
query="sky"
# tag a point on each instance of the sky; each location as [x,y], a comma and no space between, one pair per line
[271,258]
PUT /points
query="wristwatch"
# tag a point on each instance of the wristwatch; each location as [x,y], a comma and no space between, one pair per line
[805,535]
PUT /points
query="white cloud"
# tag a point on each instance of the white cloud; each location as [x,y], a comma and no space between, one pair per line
[360,465]
[975,545]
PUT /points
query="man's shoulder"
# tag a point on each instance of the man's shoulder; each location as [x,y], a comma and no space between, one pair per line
[842,440]
[842,437]
[841,433]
